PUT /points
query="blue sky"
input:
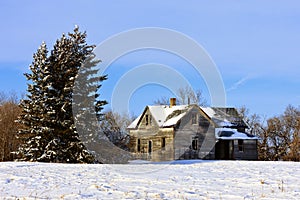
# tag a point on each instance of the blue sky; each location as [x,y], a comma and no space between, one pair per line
[255,44]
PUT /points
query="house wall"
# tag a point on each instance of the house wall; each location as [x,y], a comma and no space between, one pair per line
[224,150]
[231,149]
[191,129]
[146,142]
[158,151]
[249,150]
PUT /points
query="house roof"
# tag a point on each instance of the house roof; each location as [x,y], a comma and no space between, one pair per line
[166,116]
[232,134]
[163,115]
[224,117]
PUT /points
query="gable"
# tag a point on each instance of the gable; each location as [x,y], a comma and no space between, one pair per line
[168,116]
[147,119]
[193,116]
[161,116]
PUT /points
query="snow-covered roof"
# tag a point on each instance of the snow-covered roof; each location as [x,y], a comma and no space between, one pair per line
[135,122]
[232,134]
[164,115]
[224,117]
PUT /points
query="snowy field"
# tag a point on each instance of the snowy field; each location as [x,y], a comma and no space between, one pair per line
[138,180]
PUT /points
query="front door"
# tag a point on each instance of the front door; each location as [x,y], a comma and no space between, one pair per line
[224,150]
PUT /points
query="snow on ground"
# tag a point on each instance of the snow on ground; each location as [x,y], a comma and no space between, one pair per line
[194,179]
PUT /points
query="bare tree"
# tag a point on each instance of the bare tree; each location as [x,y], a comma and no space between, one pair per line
[254,121]
[9,112]
[279,138]
[161,101]
[257,128]
[185,95]
[114,126]
[291,118]
[283,135]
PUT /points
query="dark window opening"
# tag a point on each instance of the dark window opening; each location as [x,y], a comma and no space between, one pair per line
[241,145]
[138,145]
[163,142]
[147,120]
[149,146]
[194,118]
[195,144]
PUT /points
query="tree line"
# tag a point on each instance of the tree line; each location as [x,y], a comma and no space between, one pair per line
[43,127]
[9,112]
[279,136]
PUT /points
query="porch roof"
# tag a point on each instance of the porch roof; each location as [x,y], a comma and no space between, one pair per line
[232,134]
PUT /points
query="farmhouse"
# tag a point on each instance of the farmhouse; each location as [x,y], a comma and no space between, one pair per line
[171,132]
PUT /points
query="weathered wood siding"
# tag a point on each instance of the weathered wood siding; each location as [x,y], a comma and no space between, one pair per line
[194,127]
[147,141]
[192,138]
[249,150]
[231,149]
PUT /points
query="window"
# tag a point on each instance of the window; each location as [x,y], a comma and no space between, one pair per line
[195,143]
[138,145]
[147,119]
[194,118]
[163,142]
[149,147]
[241,145]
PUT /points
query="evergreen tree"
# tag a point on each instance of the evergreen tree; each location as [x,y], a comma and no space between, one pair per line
[49,131]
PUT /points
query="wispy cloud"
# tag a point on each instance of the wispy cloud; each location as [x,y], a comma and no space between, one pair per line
[239,83]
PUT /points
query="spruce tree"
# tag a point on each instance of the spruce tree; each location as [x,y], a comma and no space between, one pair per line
[49,130]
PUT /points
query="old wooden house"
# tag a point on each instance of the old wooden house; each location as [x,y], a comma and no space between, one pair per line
[171,132]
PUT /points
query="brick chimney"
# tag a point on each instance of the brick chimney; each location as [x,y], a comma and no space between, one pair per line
[172,102]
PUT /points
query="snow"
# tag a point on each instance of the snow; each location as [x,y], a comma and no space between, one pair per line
[222,119]
[160,114]
[188,179]
[173,120]
[135,122]
[209,111]
[225,123]
[236,135]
